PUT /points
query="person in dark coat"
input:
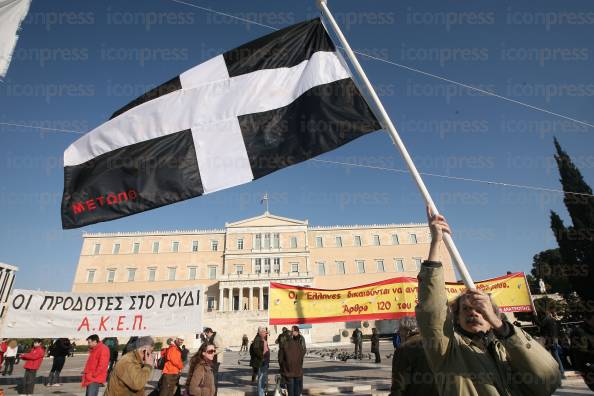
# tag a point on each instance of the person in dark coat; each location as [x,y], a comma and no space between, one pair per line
[582,349]
[260,358]
[550,330]
[290,359]
[283,337]
[113,345]
[358,341]
[59,350]
[411,374]
[184,352]
[375,345]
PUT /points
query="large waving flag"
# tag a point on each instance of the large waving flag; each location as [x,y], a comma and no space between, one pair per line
[276,101]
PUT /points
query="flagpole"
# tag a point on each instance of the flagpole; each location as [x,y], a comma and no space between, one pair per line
[389,126]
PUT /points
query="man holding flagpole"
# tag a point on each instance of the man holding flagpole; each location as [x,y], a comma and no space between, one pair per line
[470,347]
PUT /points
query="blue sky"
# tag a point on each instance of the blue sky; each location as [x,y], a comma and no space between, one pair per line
[76,62]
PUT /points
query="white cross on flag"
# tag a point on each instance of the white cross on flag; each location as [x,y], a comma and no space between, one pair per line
[271,103]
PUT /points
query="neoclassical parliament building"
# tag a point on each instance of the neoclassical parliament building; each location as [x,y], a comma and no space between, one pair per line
[235,264]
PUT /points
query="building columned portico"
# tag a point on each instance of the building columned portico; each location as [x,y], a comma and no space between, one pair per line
[250,293]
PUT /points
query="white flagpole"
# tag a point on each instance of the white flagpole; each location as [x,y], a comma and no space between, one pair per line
[387,123]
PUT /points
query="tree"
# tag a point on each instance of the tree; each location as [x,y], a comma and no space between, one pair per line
[548,266]
[544,304]
[576,242]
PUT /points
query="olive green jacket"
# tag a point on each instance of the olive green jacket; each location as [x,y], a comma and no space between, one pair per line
[129,376]
[514,365]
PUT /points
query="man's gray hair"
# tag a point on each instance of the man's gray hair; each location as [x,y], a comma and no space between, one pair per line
[144,342]
[455,308]
[409,323]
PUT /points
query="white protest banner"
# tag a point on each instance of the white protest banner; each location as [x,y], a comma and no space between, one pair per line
[76,315]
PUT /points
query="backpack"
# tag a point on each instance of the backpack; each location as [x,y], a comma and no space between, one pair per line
[161,362]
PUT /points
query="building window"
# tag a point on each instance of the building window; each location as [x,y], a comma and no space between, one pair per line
[418,262]
[295,267]
[192,273]
[90,276]
[258,265]
[357,240]
[212,272]
[171,273]
[380,266]
[210,303]
[266,265]
[194,246]
[96,249]
[214,245]
[152,274]
[360,266]
[240,244]
[116,248]
[395,240]
[321,269]
[340,270]
[239,269]
[399,265]
[276,265]
[319,242]
[267,241]
[136,247]
[155,247]
[293,242]
[338,241]
[376,240]
[131,274]
[110,275]
[258,242]
[175,246]
[413,238]
[276,241]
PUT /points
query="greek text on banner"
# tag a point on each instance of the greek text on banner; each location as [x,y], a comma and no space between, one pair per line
[76,315]
[388,299]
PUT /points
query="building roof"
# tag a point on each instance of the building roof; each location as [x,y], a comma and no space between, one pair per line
[266,219]
[260,220]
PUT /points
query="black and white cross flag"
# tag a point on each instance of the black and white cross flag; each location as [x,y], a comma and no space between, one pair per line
[273,102]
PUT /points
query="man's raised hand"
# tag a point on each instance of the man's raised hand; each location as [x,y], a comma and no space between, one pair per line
[438,226]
